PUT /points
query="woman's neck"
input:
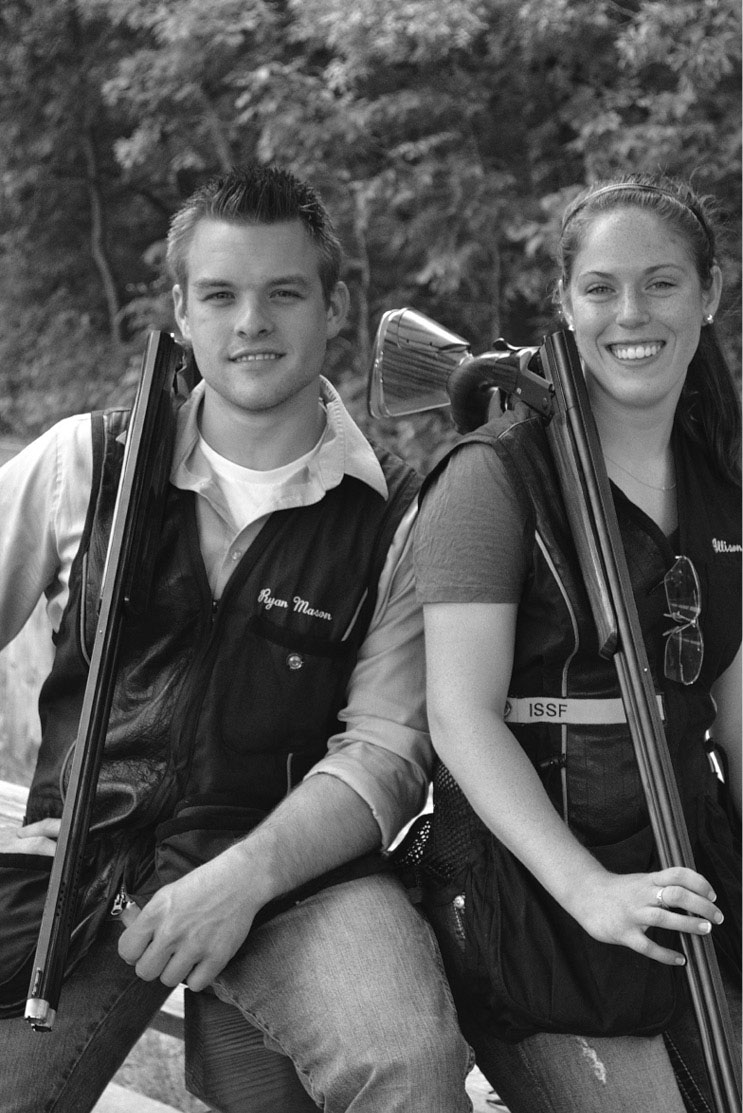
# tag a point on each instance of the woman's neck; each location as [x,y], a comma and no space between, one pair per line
[639,460]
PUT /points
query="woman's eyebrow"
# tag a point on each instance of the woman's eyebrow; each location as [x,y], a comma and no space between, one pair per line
[647,270]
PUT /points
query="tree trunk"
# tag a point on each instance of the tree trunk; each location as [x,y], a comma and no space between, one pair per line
[97,236]
[360,225]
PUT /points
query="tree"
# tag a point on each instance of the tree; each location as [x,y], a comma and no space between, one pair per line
[446,136]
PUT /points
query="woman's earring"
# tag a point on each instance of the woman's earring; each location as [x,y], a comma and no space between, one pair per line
[708,319]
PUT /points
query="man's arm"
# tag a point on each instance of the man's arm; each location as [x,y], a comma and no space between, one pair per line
[44,493]
[191,929]
[384,751]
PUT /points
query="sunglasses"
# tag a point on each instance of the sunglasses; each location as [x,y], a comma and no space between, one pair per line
[684,650]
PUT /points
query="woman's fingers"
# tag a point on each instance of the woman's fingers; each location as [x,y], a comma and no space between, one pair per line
[685,890]
[681,878]
[676,899]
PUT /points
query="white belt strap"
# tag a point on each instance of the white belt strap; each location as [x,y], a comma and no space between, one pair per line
[572,711]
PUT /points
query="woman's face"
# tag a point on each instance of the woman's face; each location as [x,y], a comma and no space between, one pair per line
[637,305]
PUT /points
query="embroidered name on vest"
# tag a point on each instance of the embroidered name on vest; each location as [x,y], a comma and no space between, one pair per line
[725,547]
[297,605]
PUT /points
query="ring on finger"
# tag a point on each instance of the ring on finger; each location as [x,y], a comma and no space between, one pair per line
[659,898]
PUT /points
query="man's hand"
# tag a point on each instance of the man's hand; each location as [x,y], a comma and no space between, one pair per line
[191,928]
[36,838]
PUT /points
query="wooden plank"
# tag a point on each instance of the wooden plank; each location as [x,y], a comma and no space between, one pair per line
[117,1099]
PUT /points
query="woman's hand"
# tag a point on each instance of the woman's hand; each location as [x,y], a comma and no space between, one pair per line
[36,838]
[619,908]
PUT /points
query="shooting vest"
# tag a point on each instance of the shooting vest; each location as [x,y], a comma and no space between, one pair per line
[588,768]
[219,707]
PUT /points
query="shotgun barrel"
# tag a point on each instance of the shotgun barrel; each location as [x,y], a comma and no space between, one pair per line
[127,573]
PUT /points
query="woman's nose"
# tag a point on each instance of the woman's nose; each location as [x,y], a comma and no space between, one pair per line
[633,309]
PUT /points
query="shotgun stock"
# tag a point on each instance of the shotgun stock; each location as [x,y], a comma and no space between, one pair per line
[125,586]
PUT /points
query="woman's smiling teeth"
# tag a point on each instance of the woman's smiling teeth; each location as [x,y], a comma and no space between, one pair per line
[635,351]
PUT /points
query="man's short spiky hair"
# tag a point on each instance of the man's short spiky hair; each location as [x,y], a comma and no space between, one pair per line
[256,195]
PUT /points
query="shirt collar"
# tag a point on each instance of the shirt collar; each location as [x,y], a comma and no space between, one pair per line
[344,449]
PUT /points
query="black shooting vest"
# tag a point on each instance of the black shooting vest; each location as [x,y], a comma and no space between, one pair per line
[218,707]
[589,771]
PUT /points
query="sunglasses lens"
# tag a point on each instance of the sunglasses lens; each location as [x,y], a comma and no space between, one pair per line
[684,650]
[682,591]
[684,654]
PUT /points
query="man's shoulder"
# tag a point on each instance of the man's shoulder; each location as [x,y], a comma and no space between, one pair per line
[68,438]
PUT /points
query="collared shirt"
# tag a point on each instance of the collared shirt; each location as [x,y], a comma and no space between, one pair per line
[384,751]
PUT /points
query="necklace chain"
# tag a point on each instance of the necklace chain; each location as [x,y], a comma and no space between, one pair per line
[652,486]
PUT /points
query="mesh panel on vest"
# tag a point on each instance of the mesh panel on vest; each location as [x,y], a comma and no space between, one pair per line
[440,844]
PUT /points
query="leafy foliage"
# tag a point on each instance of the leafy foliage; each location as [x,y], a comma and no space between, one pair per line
[445,135]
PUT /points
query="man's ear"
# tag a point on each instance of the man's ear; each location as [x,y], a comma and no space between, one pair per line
[181,316]
[337,310]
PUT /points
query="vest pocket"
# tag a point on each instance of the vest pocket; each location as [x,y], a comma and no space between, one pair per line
[280,691]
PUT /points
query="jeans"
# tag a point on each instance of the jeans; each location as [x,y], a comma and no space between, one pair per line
[347,984]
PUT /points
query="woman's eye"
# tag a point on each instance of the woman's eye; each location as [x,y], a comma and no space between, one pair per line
[598,288]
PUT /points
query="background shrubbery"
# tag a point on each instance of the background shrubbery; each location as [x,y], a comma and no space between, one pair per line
[445,135]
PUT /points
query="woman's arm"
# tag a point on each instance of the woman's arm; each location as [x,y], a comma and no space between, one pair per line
[469,657]
[726,729]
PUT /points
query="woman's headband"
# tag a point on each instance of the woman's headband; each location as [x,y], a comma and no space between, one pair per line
[623,187]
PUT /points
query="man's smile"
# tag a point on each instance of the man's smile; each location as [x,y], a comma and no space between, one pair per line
[253,357]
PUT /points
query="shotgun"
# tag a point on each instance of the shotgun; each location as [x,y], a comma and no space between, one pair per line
[127,577]
[417,360]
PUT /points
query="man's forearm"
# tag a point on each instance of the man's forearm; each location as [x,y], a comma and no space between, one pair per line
[322,824]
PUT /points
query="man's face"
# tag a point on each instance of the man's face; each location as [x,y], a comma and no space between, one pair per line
[256,316]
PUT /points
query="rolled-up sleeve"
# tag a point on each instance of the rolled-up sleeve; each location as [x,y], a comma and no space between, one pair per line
[384,753]
[44,492]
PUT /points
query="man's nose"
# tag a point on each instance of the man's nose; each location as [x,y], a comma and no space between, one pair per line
[254,318]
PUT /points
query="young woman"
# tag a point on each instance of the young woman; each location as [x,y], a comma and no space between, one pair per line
[540,851]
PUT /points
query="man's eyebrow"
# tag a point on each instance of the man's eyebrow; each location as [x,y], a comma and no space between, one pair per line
[279,280]
[291,280]
[209,283]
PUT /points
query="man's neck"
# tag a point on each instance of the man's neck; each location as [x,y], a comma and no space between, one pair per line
[264,440]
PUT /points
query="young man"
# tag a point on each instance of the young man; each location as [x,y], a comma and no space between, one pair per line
[269,704]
